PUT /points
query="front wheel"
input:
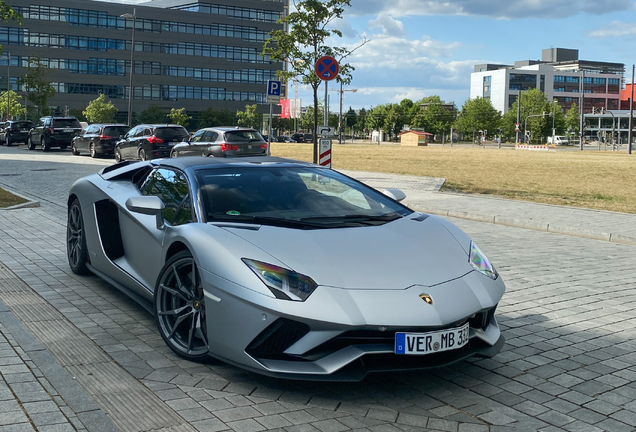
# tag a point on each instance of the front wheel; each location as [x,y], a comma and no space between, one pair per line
[30,144]
[76,250]
[180,307]
[7,140]
[174,154]
[93,151]
[118,157]
[74,150]
[45,144]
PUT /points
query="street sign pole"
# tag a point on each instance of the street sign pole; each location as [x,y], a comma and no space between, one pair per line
[327,68]
[326,104]
[273,97]
[269,131]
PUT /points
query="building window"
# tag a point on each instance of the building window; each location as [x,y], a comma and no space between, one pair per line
[487,78]
[559,78]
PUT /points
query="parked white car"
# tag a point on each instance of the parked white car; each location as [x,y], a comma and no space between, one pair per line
[559,140]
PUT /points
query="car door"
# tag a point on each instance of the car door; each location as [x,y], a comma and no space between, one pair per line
[36,132]
[3,131]
[143,241]
[191,148]
[209,140]
[86,137]
[126,144]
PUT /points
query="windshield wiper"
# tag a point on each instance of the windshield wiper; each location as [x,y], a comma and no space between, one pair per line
[388,217]
[262,220]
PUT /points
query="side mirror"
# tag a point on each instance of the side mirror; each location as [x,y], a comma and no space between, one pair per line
[148,205]
[395,194]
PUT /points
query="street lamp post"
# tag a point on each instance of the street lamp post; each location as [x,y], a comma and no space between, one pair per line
[340,117]
[8,86]
[132,62]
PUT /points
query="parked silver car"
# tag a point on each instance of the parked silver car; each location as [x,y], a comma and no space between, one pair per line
[222,142]
[285,268]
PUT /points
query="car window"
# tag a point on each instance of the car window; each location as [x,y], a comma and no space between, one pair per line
[242,136]
[172,133]
[172,187]
[198,136]
[23,125]
[146,132]
[92,129]
[115,131]
[41,123]
[63,123]
[210,136]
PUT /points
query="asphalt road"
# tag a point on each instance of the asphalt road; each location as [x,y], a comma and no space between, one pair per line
[568,318]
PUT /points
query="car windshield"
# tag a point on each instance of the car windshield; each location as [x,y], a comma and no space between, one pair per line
[115,131]
[242,136]
[171,133]
[22,125]
[66,123]
[296,197]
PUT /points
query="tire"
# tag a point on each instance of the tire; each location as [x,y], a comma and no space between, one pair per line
[30,144]
[64,146]
[45,144]
[142,155]
[76,250]
[7,140]
[118,157]
[180,308]
[174,154]
[74,150]
[92,150]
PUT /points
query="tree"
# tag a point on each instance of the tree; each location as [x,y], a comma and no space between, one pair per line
[434,118]
[305,42]
[306,120]
[100,111]
[282,124]
[179,116]
[572,119]
[37,86]
[478,114]
[249,117]
[152,114]
[533,105]
[15,107]
[393,120]
[210,117]
[78,114]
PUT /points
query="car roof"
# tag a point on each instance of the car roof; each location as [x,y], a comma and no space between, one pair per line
[197,162]
[108,124]
[230,128]
[159,125]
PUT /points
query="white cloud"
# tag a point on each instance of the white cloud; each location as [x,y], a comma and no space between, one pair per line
[389,25]
[509,9]
[614,29]
[345,27]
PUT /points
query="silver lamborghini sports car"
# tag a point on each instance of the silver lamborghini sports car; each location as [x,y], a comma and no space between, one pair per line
[285,268]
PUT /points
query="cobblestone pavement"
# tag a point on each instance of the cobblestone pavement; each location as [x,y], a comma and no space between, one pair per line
[568,364]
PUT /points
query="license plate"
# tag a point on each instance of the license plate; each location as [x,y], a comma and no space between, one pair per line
[68,130]
[432,342]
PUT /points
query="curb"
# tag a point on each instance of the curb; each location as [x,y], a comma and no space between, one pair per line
[28,204]
[533,225]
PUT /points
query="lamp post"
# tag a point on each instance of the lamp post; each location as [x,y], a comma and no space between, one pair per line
[8,86]
[132,62]
[340,117]
[582,120]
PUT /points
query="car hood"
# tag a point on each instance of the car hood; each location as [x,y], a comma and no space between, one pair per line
[395,255]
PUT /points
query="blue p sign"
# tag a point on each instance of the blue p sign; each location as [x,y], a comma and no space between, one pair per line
[273,88]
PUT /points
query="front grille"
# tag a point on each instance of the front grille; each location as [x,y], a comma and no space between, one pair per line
[272,342]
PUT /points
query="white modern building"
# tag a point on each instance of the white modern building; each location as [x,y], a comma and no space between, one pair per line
[559,74]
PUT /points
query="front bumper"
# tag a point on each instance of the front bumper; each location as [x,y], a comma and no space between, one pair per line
[293,339]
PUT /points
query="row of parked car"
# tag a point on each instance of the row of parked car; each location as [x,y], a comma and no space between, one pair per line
[142,142]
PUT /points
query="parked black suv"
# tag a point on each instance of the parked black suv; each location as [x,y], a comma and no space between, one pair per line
[15,131]
[149,141]
[54,132]
[98,139]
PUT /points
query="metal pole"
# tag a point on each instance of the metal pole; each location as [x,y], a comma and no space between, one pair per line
[326,103]
[518,116]
[340,118]
[132,67]
[269,131]
[8,86]
[296,107]
[582,103]
[553,116]
[631,116]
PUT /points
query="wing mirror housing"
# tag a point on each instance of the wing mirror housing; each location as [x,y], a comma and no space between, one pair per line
[148,205]
[395,194]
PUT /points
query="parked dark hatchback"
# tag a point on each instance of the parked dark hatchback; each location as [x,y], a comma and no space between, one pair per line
[15,131]
[54,132]
[223,142]
[146,142]
[98,139]
[298,137]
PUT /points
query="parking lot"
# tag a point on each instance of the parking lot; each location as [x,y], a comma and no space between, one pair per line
[568,318]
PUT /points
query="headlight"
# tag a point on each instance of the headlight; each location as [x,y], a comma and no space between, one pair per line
[481,263]
[284,284]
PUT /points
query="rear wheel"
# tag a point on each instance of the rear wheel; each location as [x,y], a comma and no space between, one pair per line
[76,250]
[7,140]
[118,157]
[93,151]
[30,144]
[45,144]
[142,154]
[180,307]
[63,146]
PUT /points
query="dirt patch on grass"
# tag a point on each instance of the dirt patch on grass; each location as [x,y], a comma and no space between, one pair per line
[597,180]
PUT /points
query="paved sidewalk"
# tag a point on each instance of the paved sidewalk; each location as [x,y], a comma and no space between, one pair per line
[596,224]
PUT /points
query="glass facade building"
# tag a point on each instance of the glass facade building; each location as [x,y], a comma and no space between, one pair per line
[193,55]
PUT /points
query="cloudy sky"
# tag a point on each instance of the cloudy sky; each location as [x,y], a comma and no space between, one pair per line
[419,48]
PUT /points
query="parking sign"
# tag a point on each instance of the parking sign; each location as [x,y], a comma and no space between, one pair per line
[273,91]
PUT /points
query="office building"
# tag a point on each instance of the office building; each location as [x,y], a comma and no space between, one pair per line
[559,74]
[195,54]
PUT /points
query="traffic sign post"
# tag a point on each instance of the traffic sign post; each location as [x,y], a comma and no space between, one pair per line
[327,68]
[273,97]
[325,153]
[326,131]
